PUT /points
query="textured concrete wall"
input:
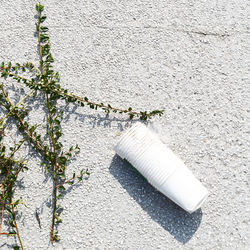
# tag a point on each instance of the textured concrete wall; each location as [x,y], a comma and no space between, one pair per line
[190,58]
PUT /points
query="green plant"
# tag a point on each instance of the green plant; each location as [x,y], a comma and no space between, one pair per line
[9,171]
[55,160]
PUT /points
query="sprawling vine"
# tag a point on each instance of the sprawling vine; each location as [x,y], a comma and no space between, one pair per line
[10,168]
[55,159]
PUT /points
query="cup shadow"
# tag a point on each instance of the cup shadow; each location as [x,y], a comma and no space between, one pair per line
[179,223]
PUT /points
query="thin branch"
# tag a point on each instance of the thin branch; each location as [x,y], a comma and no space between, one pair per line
[3,206]
[52,136]
[17,231]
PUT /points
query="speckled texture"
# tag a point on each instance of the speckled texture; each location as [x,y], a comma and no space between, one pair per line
[190,58]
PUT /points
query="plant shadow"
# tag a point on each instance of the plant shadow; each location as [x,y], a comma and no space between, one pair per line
[179,223]
[100,119]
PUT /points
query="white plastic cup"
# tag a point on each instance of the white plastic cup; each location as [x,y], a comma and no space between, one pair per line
[161,167]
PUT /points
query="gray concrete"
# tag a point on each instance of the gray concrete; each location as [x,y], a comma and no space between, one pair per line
[190,58]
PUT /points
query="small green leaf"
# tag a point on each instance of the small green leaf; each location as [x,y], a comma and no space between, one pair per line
[59,196]
[44,29]
[42,19]
[58,220]
[87,172]
[62,188]
[39,7]
[57,122]
[13,233]
[62,160]
[56,237]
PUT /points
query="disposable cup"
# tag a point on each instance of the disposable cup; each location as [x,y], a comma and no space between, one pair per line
[143,149]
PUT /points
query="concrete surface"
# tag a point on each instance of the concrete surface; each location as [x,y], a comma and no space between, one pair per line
[189,57]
